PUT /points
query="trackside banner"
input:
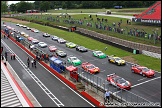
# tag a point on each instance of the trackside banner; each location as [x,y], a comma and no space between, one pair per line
[146,21]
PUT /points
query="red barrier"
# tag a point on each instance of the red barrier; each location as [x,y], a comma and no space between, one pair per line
[91,99]
[73,86]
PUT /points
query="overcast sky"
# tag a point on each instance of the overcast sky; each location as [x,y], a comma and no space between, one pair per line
[11,2]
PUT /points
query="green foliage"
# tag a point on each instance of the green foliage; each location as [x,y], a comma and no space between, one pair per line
[3,7]
[48,5]
[23,6]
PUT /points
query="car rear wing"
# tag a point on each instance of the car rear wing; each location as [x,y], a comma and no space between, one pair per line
[111,74]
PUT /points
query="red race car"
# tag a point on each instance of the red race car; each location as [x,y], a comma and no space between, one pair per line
[30,38]
[52,48]
[90,68]
[118,81]
[144,71]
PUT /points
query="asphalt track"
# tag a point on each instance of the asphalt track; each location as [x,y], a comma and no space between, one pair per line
[46,88]
[148,88]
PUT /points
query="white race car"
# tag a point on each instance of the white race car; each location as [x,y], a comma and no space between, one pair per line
[42,44]
[61,41]
[35,41]
[46,35]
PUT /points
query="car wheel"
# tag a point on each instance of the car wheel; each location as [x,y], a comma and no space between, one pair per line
[143,75]
[132,71]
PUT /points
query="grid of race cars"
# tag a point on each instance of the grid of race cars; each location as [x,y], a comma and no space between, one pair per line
[113,78]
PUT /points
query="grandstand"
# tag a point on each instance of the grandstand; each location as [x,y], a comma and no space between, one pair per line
[151,15]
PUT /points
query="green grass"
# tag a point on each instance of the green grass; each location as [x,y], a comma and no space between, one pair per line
[149,62]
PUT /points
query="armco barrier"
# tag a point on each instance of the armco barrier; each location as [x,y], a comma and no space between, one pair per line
[87,96]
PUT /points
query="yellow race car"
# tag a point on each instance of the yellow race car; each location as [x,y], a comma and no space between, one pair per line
[116,60]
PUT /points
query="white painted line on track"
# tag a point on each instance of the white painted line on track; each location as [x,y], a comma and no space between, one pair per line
[103,71]
[58,78]
[104,63]
[93,60]
[141,79]
[146,81]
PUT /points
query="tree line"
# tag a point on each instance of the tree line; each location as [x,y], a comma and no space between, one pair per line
[46,5]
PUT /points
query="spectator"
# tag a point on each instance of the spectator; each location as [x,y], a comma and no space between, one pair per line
[28,61]
[34,63]
[107,97]
[127,21]
[105,48]
[6,55]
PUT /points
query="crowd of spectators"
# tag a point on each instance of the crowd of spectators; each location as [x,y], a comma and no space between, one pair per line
[102,24]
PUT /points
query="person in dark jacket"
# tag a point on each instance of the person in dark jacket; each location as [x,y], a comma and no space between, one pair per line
[35,63]
[28,61]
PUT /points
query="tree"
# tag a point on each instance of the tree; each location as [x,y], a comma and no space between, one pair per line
[4,7]
[44,6]
[23,6]
[13,7]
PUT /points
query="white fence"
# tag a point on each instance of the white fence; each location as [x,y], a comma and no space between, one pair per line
[155,55]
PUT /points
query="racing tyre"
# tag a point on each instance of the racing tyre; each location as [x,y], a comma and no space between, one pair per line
[143,75]
[132,71]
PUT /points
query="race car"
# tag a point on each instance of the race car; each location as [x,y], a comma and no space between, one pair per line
[27,28]
[70,45]
[22,33]
[30,38]
[55,38]
[26,35]
[35,41]
[99,54]
[118,81]
[116,60]
[81,48]
[24,26]
[61,41]
[144,71]
[74,60]
[61,53]
[42,44]
[46,35]
[52,48]
[17,24]
[36,31]
[90,68]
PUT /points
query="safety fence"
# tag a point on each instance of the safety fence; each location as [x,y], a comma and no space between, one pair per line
[91,81]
